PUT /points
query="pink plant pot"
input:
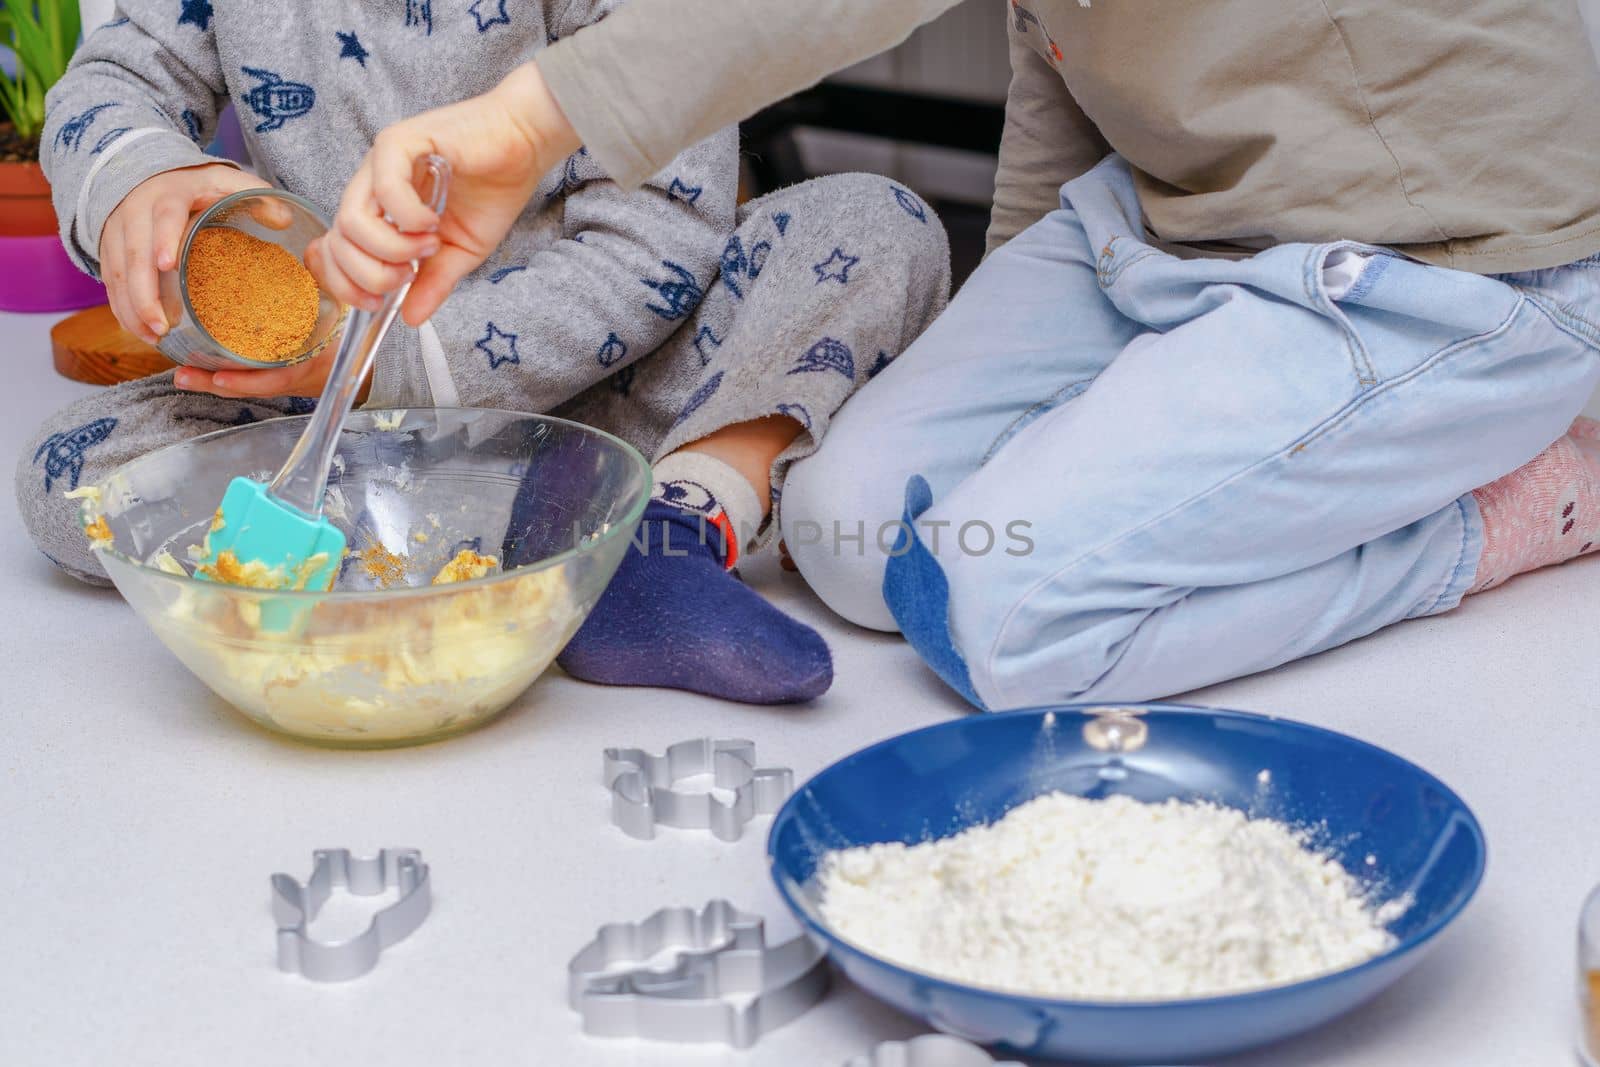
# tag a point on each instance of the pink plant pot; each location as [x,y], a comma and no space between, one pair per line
[36,275]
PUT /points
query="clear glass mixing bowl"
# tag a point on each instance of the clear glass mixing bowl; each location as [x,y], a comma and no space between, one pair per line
[385,658]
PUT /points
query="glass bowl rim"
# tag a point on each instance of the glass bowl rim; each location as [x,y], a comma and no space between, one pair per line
[357,596]
[203,221]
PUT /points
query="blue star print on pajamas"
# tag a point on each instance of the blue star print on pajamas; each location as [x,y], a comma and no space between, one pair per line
[275,100]
[827,354]
[62,453]
[106,138]
[614,351]
[910,204]
[687,194]
[836,267]
[679,296]
[489,13]
[701,395]
[420,13]
[72,132]
[705,343]
[499,346]
[781,221]
[505,272]
[622,381]
[350,47]
[191,124]
[196,13]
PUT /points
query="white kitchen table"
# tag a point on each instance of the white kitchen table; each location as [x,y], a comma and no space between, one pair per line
[140,820]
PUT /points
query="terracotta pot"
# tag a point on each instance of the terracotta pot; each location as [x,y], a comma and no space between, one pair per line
[25,209]
[35,272]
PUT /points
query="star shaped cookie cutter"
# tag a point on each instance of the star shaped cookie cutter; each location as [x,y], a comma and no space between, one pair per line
[725,983]
[929,1050]
[644,791]
[295,905]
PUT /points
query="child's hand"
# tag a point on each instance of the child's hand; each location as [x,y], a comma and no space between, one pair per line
[301,379]
[499,145]
[141,238]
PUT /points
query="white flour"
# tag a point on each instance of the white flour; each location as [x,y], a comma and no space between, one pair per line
[1106,899]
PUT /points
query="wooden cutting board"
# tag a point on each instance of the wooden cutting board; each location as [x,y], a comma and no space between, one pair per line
[91,347]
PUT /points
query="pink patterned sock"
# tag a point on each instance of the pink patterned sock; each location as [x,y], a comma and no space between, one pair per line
[1544,512]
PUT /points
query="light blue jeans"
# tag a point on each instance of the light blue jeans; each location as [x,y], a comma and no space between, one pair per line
[1126,475]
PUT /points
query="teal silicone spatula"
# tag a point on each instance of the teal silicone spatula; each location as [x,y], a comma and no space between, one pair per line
[280,524]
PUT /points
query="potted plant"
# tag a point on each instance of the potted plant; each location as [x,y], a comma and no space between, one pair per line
[35,272]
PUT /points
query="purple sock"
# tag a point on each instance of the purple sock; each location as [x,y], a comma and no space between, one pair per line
[675,617]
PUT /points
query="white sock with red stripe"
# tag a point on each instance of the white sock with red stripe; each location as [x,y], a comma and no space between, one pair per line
[698,483]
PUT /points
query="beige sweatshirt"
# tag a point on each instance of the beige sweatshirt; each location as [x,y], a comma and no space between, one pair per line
[1460,132]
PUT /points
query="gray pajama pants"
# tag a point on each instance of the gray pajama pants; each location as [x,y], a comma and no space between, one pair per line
[821,286]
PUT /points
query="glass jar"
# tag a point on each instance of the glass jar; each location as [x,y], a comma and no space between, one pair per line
[282,218]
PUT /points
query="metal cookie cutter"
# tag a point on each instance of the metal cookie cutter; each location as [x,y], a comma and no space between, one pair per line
[725,984]
[929,1050]
[294,906]
[644,793]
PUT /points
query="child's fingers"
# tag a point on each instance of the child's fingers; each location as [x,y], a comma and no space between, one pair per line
[435,281]
[139,254]
[363,271]
[392,167]
[172,218]
[326,270]
[275,381]
[372,234]
[113,271]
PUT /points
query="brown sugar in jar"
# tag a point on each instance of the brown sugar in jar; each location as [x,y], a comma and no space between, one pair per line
[256,299]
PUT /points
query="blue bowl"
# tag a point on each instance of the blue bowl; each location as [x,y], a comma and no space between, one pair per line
[1394,826]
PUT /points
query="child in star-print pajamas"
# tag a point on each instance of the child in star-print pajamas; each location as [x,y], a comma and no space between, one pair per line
[718,339]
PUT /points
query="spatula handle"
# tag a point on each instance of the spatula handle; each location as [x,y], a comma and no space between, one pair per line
[304,476]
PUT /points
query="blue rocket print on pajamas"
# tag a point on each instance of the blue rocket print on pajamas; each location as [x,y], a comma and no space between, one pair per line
[350,47]
[106,138]
[738,266]
[614,351]
[836,267]
[195,13]
[505,272]
[679,296]
[701,395]
[705,343]
[191,124]
[489,13]
[883,360]
[781,221]
[622,381]
[275,100]
[910,204]
[72,132]
[827,355]
[499,346]
[686,194]
[62,453]
[420,13]
[570,178]
[797,412]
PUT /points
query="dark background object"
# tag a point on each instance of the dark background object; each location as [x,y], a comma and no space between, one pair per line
[772,155]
